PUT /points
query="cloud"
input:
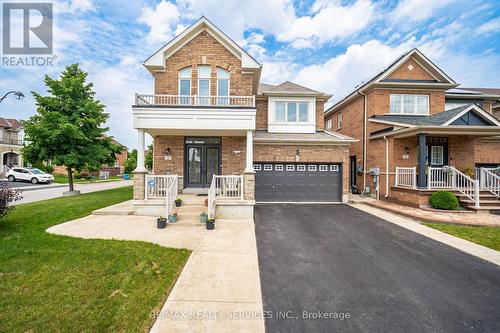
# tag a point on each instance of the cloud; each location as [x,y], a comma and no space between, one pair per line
[331,21]
[74,6]
[417,10]
[161,21]
[489,27]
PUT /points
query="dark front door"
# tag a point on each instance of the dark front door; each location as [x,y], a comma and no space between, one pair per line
[352,175]
[202,158]
[437,151]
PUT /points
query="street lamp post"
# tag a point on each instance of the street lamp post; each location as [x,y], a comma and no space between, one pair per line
[19,95]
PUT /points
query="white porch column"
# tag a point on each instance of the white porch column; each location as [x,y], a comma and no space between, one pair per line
[249,161]
[140,151]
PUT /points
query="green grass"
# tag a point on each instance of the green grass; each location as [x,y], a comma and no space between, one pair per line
[62,179]
[486,236]
[51,283]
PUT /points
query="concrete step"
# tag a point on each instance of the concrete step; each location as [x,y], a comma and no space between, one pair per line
[485,209]
[481,202]
[191,199]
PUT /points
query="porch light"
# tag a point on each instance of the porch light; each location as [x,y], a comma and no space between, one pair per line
[167,151]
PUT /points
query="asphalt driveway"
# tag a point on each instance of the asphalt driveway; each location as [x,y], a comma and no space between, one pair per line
[333,268]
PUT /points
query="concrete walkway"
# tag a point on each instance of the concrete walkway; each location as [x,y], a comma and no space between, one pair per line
[428,215]
[218,289]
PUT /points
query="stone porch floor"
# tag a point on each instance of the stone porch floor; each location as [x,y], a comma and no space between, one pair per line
[422,215]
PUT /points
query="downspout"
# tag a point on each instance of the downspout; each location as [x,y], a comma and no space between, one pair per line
[386,167]
[365,114]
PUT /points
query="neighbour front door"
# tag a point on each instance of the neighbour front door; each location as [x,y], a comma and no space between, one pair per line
[202,161]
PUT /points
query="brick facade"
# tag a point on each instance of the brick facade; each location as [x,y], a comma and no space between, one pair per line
[204,49]
[233,155]
[416,72]
[163,164]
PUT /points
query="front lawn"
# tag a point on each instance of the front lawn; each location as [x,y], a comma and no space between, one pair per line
[486,236]
[51,283]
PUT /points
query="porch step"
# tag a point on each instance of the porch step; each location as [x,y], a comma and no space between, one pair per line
[186,209]
[192,199]
[485,208]
[481,202]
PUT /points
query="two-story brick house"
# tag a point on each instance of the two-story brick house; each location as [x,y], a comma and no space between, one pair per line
[210,115]
[412,123]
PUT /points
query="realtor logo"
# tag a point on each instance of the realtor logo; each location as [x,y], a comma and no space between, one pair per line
[27,28]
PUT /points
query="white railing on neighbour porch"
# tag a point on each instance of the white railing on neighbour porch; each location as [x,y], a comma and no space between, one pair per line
[224,188]
[406,177]
[490,181]
[439,178]
[156,186]
[194,100]
[171,196]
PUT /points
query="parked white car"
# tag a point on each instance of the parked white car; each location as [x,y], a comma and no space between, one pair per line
[33,175]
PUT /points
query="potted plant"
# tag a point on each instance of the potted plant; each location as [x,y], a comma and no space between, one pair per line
[203,217]
[161,222]
[211,224]
[172,217]
[178,202]
[206,202]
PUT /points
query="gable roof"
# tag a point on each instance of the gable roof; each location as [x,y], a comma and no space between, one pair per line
[441,119]
[288,88]
[381,78]
[156,62]
[10,123]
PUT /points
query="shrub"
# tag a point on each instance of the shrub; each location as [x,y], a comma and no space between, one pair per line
[443,200]
[469,171]
[49,169]
[85,175]
[8,195]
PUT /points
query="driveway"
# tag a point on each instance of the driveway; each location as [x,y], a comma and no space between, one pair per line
[336,261]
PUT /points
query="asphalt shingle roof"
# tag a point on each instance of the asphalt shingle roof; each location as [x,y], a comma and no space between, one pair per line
[434,119]
[286,87]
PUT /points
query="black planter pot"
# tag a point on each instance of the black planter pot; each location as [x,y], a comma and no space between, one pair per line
[161,223]
[210,225]
[177,203]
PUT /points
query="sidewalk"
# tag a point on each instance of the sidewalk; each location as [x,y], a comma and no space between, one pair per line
[218,289]
[422,215]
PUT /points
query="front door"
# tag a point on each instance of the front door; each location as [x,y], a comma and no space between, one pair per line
[202,158]
[437,151]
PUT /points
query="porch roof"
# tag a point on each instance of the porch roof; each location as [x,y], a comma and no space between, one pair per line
[479,122]
[322,137]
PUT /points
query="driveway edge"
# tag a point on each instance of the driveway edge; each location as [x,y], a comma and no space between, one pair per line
[455,242]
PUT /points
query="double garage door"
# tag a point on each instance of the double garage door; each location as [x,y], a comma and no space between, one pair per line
[299,182]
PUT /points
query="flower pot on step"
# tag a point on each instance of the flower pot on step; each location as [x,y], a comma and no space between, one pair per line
[178,202]
[203,217]
[210,224]
[172,218]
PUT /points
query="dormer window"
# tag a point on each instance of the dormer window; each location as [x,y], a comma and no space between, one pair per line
[222,85]
[185,85]
[204,84]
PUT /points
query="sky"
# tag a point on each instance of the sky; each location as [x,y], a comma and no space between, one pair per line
[327,45]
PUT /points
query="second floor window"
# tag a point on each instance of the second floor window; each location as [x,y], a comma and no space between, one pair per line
[339,120]
[328,124]
[291,112]
[204,84]
[222,85]
[409,104]
[185,85]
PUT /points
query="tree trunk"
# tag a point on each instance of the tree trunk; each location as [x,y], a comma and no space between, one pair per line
[70,178]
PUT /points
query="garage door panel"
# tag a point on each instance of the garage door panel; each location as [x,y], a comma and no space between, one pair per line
[298,182]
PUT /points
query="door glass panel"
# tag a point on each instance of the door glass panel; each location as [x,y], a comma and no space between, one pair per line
[212,163]
[194,165]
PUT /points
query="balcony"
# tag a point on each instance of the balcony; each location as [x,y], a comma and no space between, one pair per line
[143,100]
[13,142]
[194,115]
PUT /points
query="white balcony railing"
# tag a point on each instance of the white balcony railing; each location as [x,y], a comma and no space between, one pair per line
[439,178]
[406,177]
[224,188]
[157,186]
[194,100]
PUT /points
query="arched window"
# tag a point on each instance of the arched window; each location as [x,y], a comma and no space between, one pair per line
[204,84]
[185,85]
[222,85]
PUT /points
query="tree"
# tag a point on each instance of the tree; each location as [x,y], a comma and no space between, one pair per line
[148,159]
[67,128]
[131,162]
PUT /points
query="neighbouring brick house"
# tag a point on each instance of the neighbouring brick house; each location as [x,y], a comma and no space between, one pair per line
[11,142]
[210,115]
[412,123]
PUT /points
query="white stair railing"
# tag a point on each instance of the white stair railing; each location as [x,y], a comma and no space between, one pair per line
[156,186]
[439,178]
[406,177]
[171,196]
[224,188]
[450,177]
[490,181]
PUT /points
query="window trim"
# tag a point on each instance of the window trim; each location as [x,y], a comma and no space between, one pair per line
[341,121]
[209,78]
[217,81]
[328,124]
[297,112]
[180,78]
[414,113]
